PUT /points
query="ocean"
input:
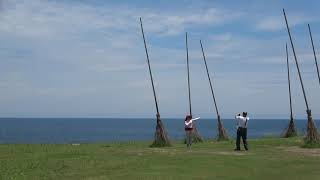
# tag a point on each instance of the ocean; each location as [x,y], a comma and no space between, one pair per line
[93,130]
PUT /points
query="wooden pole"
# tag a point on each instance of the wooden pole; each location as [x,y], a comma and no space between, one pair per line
[314,53]
[289,84]
[195,134]
[161,138]
[189,92]
[222,134]
[291,129]
[150,72]
[212,92]
[295,58]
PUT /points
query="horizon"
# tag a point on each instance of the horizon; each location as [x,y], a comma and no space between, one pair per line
[166,118]
[73,59]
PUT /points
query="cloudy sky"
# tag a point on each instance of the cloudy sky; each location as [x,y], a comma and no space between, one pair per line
[85,58]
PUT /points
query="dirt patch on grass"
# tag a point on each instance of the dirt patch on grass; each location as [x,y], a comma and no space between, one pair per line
[141,152]
[197,151]
[232,153]
[302,151]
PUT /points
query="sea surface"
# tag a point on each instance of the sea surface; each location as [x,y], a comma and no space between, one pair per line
[91,130]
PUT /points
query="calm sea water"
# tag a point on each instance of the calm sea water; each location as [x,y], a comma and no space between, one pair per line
[90,130]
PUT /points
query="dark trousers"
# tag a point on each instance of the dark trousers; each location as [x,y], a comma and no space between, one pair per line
[242,133]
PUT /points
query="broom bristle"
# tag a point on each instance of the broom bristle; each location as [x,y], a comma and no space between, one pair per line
[196,138]
[291,131]
[161,138]
[312,136]
[222,133]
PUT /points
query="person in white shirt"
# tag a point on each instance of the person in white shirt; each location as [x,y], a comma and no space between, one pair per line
[188,126]
[242,124]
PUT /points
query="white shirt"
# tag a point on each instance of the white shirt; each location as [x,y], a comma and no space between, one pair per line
[188,124]
[242,121]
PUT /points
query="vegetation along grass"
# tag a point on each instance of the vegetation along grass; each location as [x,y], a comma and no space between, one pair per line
[268,158]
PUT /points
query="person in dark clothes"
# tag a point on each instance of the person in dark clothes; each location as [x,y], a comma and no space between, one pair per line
[242,124]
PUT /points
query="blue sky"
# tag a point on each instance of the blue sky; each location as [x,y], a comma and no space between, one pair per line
[63,58]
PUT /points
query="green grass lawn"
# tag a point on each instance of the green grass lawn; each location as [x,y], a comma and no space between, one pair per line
[270,158]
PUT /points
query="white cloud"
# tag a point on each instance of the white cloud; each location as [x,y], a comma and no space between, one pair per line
[102,36]
[171,24]
[276,23]
[43,18]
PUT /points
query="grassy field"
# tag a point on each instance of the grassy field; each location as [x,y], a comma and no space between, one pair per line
[269,158]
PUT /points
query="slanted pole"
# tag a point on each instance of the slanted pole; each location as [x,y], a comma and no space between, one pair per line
[291,130]
[314,53]
[161,138]
[312,134]
[195,134]
[188,70]
[222,134]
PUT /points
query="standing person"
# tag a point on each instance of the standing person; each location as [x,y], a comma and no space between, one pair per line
[188,127]
[242,124]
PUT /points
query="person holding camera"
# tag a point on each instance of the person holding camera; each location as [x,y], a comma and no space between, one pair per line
[242,124]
